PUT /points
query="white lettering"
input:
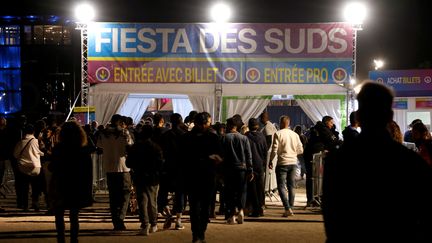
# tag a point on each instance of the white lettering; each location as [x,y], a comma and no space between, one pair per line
[332,37]
[165,33]
[202,38]
[268,37]
[301,41]
[99,40]
[181,34]
[125,40]
[226,40]
[150,42]
[323,40]
[244,39]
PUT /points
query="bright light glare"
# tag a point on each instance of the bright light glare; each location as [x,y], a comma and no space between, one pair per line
[355,13]
[220,13]
[378,64]
[84,13]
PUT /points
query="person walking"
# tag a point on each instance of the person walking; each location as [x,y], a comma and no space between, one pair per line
[286,146]
[350,172]
[201,153]
[259,151]
[171,144]
[114,141]
[145,158]
[237,167]
[71,183]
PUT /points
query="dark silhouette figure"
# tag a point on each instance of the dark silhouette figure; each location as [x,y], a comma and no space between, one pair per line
[363,178]
[71,183]
[202,152]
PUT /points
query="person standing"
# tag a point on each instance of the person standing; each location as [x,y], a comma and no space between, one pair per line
[71,183]
[322,139]
[145,159]
[268,130]
[202,152]
[27,154]
[174,177]
[5,149]
[349,217]
[351,132]
[259,152]
[286,146]
[237,167]
[114,141]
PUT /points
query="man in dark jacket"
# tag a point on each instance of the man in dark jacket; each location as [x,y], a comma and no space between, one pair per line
[350,132]
[237,167]
[146,160]
[321,139]
[202,152]
[359,208]
[258,146]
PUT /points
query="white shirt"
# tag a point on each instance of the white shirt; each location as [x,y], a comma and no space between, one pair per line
[31,152]
[286,145]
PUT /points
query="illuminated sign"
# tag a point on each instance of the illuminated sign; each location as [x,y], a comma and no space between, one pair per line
[211,53]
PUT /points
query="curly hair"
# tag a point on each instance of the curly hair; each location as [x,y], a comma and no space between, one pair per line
[72,134]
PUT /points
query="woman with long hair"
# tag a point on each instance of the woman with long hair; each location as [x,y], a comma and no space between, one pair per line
[71,183]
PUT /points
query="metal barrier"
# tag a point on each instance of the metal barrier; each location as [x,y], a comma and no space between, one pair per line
[99,174]
[317,177]
[8,184]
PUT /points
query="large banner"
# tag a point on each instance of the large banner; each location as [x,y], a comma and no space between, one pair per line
[406,83]
[214,53]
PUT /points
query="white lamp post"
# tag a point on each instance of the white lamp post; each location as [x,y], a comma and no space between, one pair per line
[84,14]
[354,13]
[220,14]
[378,63]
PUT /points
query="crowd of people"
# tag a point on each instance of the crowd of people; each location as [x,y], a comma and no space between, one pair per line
[195,160]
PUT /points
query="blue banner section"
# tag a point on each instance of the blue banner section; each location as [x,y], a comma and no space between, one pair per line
[406,83]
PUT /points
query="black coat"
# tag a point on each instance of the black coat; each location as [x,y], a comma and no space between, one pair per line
[259,150]
[71,184]
[145,158]
[377,189]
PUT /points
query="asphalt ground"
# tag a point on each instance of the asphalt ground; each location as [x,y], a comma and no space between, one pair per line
[306,225]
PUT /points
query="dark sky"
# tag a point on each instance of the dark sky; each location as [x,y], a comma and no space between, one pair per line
[398,31]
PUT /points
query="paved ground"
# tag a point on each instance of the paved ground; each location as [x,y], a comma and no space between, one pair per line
[95,225]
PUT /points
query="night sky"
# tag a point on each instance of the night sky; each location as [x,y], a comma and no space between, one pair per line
[398,31]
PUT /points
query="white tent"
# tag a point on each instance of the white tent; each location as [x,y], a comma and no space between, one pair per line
[248,100]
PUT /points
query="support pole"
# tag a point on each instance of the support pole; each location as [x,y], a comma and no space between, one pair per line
[84,64]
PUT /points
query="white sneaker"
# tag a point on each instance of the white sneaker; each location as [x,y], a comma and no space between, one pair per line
[288,212]
[145,230]
[231,220]
[240,217]
[154,229]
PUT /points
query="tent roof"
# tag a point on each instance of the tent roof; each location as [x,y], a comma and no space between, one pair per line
[227,89]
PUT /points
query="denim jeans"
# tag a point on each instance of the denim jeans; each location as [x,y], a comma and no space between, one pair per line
[285,176]
[147,204]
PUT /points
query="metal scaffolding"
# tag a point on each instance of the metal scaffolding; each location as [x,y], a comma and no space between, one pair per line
[84,64]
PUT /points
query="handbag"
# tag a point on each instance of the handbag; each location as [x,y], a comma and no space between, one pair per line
[25,166]
[133,203]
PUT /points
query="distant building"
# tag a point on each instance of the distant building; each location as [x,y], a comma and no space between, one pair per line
[39,65]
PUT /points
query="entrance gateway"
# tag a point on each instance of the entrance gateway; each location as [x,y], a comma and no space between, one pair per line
[223,69]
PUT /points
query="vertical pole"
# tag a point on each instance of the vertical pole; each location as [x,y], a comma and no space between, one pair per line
[218,103]
[84,64]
